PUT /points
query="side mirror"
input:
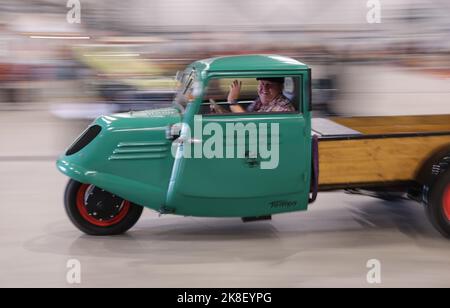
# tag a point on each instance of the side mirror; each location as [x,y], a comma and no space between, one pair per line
[173,131]
[178,76]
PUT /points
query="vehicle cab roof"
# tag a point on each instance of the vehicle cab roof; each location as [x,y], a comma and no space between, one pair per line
[249,63]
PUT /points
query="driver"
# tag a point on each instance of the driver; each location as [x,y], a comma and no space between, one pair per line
[270,96]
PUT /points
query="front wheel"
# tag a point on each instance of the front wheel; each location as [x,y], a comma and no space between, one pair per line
[97,212]
[438,208]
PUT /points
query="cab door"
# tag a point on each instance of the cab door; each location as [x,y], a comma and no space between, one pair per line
[273,179]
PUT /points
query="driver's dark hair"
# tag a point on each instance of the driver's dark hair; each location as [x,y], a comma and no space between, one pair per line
[272,79]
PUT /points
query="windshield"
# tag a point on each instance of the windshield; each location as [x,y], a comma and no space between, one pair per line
[187,87]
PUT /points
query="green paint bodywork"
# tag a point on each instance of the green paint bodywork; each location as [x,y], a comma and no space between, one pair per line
[131,157]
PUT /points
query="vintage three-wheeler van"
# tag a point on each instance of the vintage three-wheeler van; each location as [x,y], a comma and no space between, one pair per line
[199,158]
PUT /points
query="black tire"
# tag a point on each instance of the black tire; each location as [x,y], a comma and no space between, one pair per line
[124,220]
[438,204]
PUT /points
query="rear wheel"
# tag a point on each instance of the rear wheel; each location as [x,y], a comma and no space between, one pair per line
[97,212]
[438,208]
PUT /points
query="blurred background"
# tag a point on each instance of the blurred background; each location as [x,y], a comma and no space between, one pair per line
[123,55]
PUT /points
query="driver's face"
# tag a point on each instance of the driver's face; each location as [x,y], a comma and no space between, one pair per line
[268,90]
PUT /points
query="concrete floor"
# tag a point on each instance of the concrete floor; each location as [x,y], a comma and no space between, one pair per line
[328,246]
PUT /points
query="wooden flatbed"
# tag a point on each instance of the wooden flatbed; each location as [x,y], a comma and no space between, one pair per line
[377,151]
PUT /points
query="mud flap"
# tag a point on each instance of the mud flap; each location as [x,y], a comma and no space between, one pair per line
[315,169]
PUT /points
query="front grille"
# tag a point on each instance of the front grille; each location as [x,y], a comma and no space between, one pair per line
[141,150]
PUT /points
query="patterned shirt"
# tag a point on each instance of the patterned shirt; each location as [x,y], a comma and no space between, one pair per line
[278,104]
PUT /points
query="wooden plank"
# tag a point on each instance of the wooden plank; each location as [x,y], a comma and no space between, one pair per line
[375,160]
[397,124]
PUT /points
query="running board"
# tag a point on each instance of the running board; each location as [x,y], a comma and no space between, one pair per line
[258,218]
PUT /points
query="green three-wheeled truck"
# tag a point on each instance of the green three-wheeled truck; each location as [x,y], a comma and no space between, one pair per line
[200,159]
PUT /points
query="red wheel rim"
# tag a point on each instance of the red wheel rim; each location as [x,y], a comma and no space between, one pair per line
[81,206]
[446,201]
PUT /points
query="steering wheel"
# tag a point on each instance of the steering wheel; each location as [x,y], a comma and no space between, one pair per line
[212,106]
[216,108]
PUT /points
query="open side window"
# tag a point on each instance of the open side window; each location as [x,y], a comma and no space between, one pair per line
[216,93]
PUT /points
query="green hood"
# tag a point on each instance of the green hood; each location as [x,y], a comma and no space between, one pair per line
[130,156]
